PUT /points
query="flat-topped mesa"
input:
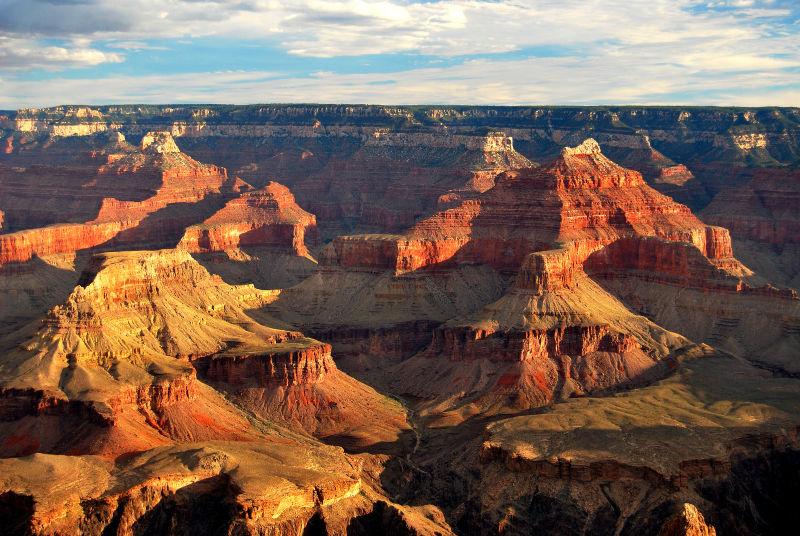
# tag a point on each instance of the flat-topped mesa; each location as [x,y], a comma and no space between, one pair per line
[267,217]
[297,365]
[380,252]
[676,175]
[22,246]
[492,142]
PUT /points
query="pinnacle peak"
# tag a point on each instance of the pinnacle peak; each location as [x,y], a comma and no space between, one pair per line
[159,142]
[588,147]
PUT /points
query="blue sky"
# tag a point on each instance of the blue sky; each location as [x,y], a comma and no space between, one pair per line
[725,52]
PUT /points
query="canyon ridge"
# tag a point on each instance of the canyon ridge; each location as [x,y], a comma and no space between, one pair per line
[404,320]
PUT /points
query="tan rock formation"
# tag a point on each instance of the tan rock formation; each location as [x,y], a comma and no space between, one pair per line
[120,352]
[554,334]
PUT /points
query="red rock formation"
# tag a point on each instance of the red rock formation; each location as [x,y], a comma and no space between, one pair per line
[274,367]
[396,178]
[582,198]
[145,183]
[554,334]
[268,217]
[22,246]
[677,175]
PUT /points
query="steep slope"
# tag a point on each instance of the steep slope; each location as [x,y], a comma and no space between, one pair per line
[111,370]
[553,335]
[151,196]
[395,178]
[712,434]
[138,198]
[556,333]
[680,289]
[581,198]
[280,486]
[581,201]
[764,218]
[54,184]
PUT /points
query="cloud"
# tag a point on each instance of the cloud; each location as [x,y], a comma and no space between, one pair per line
[529,81]
[609,50]
[16,54]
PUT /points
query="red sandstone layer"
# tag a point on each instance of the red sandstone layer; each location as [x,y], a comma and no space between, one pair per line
[158,186]
[267,217]
[673,263]
[581,199]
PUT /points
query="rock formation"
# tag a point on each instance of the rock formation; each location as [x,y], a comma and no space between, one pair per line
[120,352]
[554,334]
[141,185]
[550,341]
[687,522]
[763,216]
[266,217]
[581,198]
[262,237]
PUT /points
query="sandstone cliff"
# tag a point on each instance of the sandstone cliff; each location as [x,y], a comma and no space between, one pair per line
[120,353]
[553,335]
[581,198]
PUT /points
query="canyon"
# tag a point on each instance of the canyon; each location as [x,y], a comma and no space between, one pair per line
[429,320]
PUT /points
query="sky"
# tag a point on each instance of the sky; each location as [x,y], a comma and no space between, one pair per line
[516,52]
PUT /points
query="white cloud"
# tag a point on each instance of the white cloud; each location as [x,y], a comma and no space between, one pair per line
[529,81]
[16,53]
[619,50]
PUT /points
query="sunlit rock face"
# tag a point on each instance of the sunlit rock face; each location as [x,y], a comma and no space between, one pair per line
[323,319]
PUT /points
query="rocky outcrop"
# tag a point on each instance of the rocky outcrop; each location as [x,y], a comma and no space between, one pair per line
[764,210]
[609,452]
[582,199]
[395,178]
[148,210]
[763,217]
[268,217]
[552,270]
[212,486]
[22,246]
[276,368]
[673,263]
[554,334]
[126,344]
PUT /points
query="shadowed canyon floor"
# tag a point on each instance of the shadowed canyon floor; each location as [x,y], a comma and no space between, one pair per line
[399,320]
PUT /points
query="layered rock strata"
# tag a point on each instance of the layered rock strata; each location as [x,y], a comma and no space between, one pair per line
[268,217]
[120,351]
[554,334]
[151,209]
[581,198]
